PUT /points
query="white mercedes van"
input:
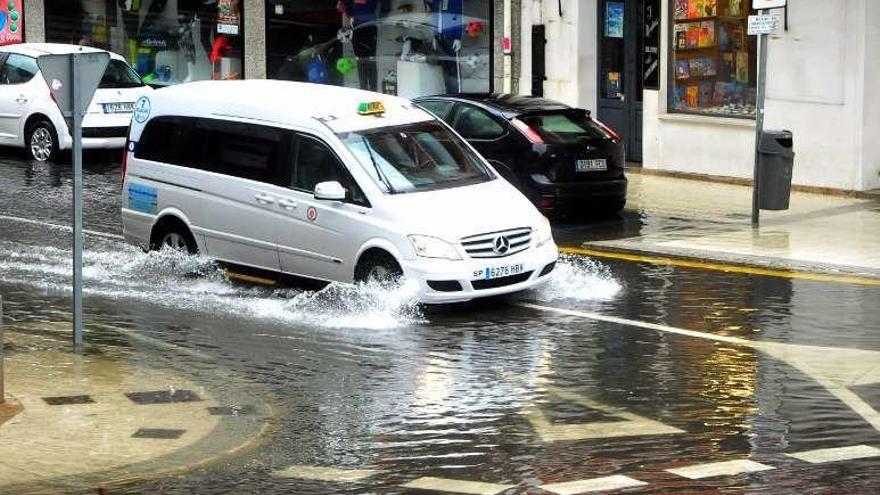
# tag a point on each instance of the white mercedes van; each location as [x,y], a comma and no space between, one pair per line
[328,183]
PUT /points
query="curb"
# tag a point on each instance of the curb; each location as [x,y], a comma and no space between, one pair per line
[873,194]
[783,267]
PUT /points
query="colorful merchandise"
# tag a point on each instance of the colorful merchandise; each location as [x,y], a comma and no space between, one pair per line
[345,65]
[742,67]
[681,9]
[681,36]
[682,69]
[692,9]
[707,34]
[693,35]
[693,94]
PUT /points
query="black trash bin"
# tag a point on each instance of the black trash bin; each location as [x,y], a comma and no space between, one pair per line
[775,162]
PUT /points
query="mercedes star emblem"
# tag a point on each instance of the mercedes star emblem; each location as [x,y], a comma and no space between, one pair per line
[501,244]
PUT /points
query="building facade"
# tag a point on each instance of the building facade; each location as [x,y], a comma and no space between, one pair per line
[403,47]
[677,78]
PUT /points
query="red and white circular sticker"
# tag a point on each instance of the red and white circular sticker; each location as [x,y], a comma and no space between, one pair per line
[312,213]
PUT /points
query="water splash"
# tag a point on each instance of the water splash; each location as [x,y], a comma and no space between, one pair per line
[179,281]
[577,278]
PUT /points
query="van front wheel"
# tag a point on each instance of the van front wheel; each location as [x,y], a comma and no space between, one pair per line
[378,267]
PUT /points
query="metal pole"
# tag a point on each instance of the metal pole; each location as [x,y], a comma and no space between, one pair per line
[759,120]
[77,207]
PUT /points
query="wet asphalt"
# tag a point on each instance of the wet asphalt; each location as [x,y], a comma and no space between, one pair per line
[511,392]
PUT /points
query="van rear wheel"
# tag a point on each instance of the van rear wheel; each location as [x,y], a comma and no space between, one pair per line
[378,267]
[175,237]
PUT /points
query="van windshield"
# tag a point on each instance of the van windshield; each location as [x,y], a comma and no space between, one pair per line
[416,157]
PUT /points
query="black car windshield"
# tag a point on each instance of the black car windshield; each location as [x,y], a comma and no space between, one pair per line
[416,157]
[565,127]
[119,75]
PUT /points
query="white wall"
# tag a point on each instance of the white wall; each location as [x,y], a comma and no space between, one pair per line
[871,133]
[571,51]
[817,86]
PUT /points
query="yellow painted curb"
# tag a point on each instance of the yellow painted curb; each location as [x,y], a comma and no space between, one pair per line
[701,265]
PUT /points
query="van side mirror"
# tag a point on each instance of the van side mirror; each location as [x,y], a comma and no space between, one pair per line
[330,191]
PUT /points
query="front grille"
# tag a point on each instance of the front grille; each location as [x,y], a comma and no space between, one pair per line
[445,285]
[500,281]
[483,245]
[105,132]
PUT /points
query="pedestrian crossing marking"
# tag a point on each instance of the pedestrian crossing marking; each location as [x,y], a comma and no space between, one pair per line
[820,456]
[605,483]
[456,486]
[724,468]
[631,424]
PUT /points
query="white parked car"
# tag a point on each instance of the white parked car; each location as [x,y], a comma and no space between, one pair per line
[29,117]
[329,183]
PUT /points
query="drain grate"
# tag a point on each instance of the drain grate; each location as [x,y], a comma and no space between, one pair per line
[158,433]
[68,400]
[163,397]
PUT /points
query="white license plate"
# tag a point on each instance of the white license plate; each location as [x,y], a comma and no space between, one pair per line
[598,164]
[118,107]
[491,272]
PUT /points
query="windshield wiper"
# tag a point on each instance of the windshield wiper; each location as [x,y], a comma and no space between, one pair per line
[376,166]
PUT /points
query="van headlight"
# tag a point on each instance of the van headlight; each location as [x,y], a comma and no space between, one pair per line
[432,247]
[543,233]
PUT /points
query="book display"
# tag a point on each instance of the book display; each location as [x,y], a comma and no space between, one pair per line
[713,58]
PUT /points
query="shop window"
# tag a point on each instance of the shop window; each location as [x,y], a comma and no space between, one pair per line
[713,62]
[391,46]
[166,41]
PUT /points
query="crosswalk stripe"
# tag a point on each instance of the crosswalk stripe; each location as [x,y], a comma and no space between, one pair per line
[724,468]
[457,486]
[819,456]
[605,483]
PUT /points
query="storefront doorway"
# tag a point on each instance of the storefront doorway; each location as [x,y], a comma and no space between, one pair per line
[621,56]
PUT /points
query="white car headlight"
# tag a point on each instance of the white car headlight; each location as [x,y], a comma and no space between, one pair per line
[432,247]
[543,233]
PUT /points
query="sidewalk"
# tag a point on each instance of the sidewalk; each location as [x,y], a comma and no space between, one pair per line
[111,415]
[712,222]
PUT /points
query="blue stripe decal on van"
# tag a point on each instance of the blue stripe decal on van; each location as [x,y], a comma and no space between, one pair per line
[144,199]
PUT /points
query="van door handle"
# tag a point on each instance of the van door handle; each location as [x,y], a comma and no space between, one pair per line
[264,199]
[21,99]
[287,205]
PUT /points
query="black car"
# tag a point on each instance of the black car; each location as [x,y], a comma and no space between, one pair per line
[565,161]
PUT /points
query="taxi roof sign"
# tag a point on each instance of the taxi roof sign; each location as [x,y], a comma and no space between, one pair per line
[371,108]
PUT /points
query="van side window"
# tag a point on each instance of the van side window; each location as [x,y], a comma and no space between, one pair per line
[248,151]
[171,140]
[316,163]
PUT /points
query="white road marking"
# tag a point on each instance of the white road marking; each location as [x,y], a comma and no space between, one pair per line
[67,228]
[724,468]
[319,473]
[457,486]
[629,425]
[593,485]
[820,456]
[834,368]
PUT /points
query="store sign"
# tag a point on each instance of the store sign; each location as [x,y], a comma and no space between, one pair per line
[228,17]
[651,55]
[762,24]
[11,22]
[768,4]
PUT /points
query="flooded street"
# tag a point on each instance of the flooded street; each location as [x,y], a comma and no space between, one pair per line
[616,369]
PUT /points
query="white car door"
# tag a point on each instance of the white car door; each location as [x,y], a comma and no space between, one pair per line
[240,197]
[320,239]
[17,81]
